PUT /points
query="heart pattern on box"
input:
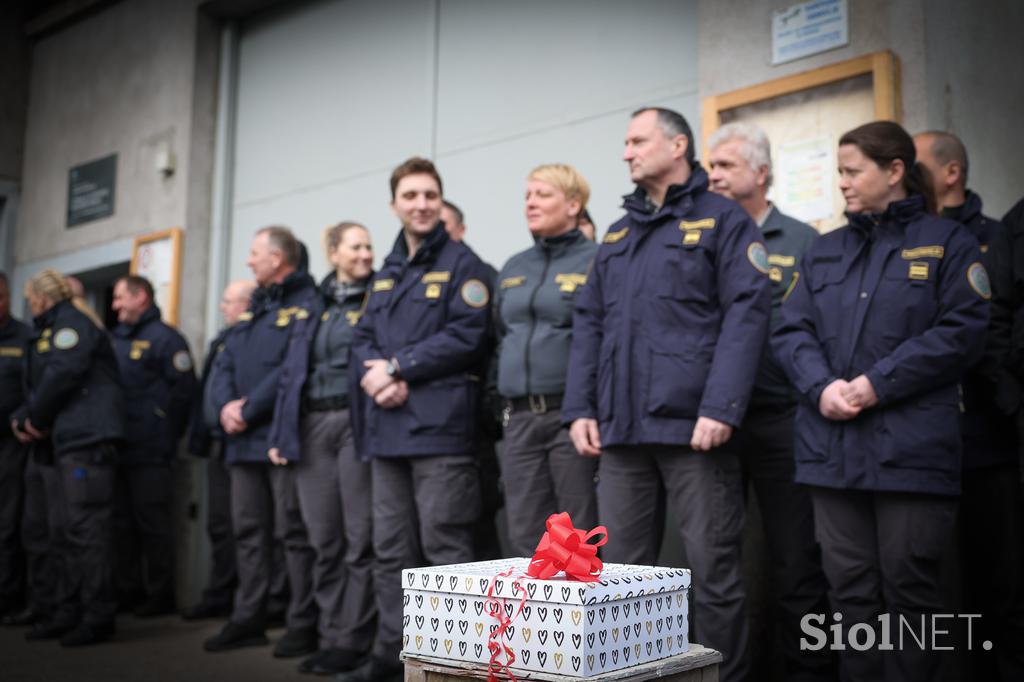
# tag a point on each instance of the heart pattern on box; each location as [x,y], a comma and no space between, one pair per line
[571,632]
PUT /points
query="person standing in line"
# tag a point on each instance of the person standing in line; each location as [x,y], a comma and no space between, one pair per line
[244,385]
[991,526]
[489,433]
[14,336]
[886,315]
[741,169]
[667,335]
[73,411]
[418,354]
[312,433]
[207,440]
[159,383]
[533,317]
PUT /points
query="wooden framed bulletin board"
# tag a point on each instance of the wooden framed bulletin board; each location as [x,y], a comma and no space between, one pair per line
[157,257]
[804,116]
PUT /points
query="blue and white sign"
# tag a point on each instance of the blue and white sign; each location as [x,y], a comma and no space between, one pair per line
[809,28]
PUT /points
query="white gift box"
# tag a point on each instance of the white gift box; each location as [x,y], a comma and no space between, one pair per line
[632,615]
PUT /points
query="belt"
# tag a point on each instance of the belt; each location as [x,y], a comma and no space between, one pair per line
[538,404]
[339,402]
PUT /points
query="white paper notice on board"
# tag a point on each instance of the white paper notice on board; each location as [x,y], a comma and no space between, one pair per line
[805,179]
[809,28]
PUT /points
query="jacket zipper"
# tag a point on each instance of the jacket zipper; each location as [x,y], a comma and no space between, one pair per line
[533,316]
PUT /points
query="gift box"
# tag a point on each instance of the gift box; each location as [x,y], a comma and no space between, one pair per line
[630,615]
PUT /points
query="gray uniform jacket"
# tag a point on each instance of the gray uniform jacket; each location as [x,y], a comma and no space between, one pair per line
[533,313]
[786,239]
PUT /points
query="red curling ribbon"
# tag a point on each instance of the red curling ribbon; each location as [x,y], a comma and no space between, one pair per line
[496,609]
[565,548]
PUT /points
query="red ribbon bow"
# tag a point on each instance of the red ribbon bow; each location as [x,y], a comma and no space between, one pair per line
[564,548]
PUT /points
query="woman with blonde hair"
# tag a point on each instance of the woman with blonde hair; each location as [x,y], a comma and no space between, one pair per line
[72,417]
[542,471]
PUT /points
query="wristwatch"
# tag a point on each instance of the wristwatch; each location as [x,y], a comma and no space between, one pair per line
[391,368]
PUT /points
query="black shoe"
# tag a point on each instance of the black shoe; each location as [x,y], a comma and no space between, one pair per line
[204,610]
[236,635]
[331,661]
[26,617]
[156,606]
[87,634]
[276,619]
[52,629]
[374,670]
[296,643]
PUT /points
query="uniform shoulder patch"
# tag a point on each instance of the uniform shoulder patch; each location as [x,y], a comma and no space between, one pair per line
[977,277]
[182,361]
[758,256]
[383,285]
[65,338]
[475,294]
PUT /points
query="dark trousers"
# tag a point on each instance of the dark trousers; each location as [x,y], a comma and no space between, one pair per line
[796,581]
[334,498]
[705,492]
[264,508]
[992,556]
[486,539]
[223,576]
[424,509]
[12,495]
[42,534]
[544,475]
[144,528]
[87,489]
[881,553]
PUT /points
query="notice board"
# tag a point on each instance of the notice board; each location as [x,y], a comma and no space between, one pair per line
[157,257]
[804,115]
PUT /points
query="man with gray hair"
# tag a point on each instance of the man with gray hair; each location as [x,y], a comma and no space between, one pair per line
[243,386]
[741,169]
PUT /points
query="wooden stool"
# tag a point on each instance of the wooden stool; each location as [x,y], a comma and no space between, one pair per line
[696,665]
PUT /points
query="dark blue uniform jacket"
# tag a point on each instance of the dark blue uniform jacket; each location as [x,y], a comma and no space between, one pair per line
[14,338]
[205,426]
[672,320]
[991,389]
[432,314]
[159,385]
[250,365]
[902,299]
[295,374]
[72,383]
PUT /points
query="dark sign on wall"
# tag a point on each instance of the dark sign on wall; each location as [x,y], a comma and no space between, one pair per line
[91,190]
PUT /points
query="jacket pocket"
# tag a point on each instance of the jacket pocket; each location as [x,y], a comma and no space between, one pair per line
[812,432]
[606,384]
[921,434]
[676,383]
[445,406]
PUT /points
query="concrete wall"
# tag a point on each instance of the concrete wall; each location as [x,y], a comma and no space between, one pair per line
[961,69]
[120,81]
[975,74]
[14,56]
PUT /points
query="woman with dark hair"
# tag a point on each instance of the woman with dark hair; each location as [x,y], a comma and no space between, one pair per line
[312,430]
[881,322]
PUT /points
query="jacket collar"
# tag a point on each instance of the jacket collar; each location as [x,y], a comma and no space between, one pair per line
[896,216]
[678,198]
[148,315]
[333,291]
[428,251]
[48,318]
[966,212]
[559,243]
[265,297]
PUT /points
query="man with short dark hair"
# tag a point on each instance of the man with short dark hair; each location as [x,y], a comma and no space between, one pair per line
[158,379]
[417,354]
[263,505]
[667,334]
[14,336]
[991,548]
[741,169]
